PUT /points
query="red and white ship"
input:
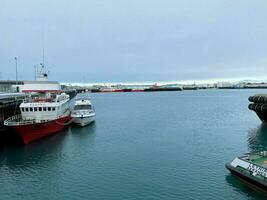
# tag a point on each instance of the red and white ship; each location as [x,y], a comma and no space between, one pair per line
[43,115]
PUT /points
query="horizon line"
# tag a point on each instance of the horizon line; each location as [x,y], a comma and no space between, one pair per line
[199,81]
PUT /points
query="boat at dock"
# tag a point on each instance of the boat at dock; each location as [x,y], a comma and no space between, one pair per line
[156,88]
[251,167]
[41,115]
[108,90]
[83,112]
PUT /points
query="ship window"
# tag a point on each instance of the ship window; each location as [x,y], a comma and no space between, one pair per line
[82,107]
[26,109]
[53,108]
[44,108]
[35,109]
[22,109]
[49,108]
[40,108]
[31,109]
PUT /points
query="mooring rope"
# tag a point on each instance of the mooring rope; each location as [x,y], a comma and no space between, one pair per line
[64,123]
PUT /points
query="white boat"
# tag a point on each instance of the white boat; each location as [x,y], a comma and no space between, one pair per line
[83,112]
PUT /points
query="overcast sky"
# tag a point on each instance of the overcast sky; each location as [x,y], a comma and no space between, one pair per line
[137,40]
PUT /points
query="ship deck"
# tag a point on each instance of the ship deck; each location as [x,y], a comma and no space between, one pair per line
[259,160]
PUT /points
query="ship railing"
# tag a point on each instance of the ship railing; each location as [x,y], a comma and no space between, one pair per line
[259,152]
[247,156]
[40,100]
[82,98]
[16,120]
[255,164]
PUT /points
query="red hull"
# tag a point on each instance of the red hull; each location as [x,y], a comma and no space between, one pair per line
[32,132]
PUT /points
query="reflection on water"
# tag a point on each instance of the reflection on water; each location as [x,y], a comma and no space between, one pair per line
[84,133]
[45,150]
[133,152]
[257,138]
[9,137]
[244,188]
[33,153]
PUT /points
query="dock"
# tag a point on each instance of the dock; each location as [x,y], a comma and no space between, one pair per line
[9,105]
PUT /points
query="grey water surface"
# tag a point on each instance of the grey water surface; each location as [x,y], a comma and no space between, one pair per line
[162,145]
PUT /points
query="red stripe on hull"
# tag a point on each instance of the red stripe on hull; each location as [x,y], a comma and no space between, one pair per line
[32,132]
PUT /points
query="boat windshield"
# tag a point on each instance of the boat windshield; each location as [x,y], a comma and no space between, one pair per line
[82,107]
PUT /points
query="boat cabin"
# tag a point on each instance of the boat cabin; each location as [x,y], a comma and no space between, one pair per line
[44,109]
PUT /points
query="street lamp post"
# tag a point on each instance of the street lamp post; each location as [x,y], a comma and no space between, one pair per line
[16,62]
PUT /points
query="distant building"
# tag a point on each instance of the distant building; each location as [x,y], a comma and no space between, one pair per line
[29,86]
[261,85]
[39,86]
[10,86]
[222,85]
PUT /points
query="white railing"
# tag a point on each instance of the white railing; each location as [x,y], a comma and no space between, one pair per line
[16,120]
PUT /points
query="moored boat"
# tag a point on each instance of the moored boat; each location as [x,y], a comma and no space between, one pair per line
[251,167]
[156,88]
[83,112]
[41,117]
[44,114]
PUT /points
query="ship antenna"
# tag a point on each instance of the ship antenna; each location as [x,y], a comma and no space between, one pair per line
[35,72]
[43,47]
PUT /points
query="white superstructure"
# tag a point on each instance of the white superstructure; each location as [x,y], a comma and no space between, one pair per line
[43,109]
[39,86]
[51,103]
[41,83]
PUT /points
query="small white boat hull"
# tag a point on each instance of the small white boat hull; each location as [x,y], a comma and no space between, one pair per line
[83,121]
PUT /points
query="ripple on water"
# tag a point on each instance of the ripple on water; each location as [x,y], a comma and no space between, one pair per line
[169,145]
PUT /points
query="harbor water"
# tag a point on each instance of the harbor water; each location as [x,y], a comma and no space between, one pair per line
[162,145]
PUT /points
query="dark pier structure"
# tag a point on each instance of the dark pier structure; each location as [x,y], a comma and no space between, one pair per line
[72,93]
[259,105]
[9,105]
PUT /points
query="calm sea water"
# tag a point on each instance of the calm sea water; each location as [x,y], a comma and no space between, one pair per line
[169,145]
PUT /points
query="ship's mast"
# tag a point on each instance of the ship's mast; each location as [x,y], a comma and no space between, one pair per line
[43,47]
[35,72]
[16,65]
[40,71]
